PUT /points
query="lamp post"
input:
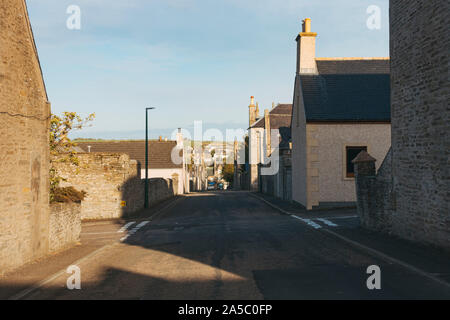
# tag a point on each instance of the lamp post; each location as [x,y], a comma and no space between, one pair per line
[146,157]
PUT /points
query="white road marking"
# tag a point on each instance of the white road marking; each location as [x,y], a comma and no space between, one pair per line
[309,222]
[368,249]
[140,225]
[327,222]
[134,230]
[44,282]
[125,227]
[339,217]
[389,258]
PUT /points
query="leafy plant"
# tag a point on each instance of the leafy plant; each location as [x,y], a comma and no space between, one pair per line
[62,148]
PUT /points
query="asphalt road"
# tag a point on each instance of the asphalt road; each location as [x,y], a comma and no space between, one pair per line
[231,245]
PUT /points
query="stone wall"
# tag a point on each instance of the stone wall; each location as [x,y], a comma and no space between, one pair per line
[420,46]
[24,147]
[113,185]
[374,192]
[408,197]
[65,225]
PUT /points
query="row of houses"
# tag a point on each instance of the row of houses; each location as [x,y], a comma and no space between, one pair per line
[303,151]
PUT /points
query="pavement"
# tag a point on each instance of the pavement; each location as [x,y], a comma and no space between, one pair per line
[234,245]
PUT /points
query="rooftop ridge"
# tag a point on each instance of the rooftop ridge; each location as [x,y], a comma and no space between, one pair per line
[121,141]
[352,58]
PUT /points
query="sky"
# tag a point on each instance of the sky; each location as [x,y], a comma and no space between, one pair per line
[194,60]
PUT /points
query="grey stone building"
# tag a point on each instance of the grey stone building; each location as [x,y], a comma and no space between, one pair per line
[409,196]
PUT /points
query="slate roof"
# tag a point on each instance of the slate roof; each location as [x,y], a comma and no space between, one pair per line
[280,116]
[160,152]
[282,109]
[348,90]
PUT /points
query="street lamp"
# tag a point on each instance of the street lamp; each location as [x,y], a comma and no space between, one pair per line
[146,157]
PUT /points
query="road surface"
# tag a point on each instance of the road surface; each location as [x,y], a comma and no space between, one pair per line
[232,245]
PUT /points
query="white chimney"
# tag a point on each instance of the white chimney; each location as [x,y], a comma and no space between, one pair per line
[179,138]
[306,49]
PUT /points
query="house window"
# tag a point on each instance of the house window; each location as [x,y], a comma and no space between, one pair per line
[350,154]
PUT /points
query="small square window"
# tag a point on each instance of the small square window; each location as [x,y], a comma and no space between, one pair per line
[350,154]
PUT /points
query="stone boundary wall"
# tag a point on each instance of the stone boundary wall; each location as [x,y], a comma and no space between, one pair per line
[65,225]
[113,185]
[378,209]
[374,194]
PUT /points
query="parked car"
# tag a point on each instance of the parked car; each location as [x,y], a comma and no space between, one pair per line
[211,185]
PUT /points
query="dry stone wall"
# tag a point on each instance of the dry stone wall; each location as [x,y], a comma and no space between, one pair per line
[113,185]
[65,225]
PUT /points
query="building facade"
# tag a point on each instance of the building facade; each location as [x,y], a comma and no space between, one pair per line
[270,170]
[409,195]
[341,107]
[24,142]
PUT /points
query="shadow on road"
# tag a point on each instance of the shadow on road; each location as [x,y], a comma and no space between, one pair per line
[229,245]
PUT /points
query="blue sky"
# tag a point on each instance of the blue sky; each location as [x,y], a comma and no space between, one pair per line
[192,59]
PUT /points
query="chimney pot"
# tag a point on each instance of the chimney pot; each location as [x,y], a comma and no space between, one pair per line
[307,25]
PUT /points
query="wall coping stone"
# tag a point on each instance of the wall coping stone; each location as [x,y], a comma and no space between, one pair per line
[364,156]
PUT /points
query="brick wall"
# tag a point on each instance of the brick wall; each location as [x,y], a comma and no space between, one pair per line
[24,151]
[110,179]
[64,226]
[409,197]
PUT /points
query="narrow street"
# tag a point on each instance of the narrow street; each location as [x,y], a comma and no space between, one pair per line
[232,245]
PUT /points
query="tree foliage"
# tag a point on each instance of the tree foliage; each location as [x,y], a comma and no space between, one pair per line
[62,148]
[228,172]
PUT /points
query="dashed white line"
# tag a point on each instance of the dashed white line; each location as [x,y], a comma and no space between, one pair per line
[140,225]
[342,217]
[134,230]
[125,227]
[308,221]
[327,222]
